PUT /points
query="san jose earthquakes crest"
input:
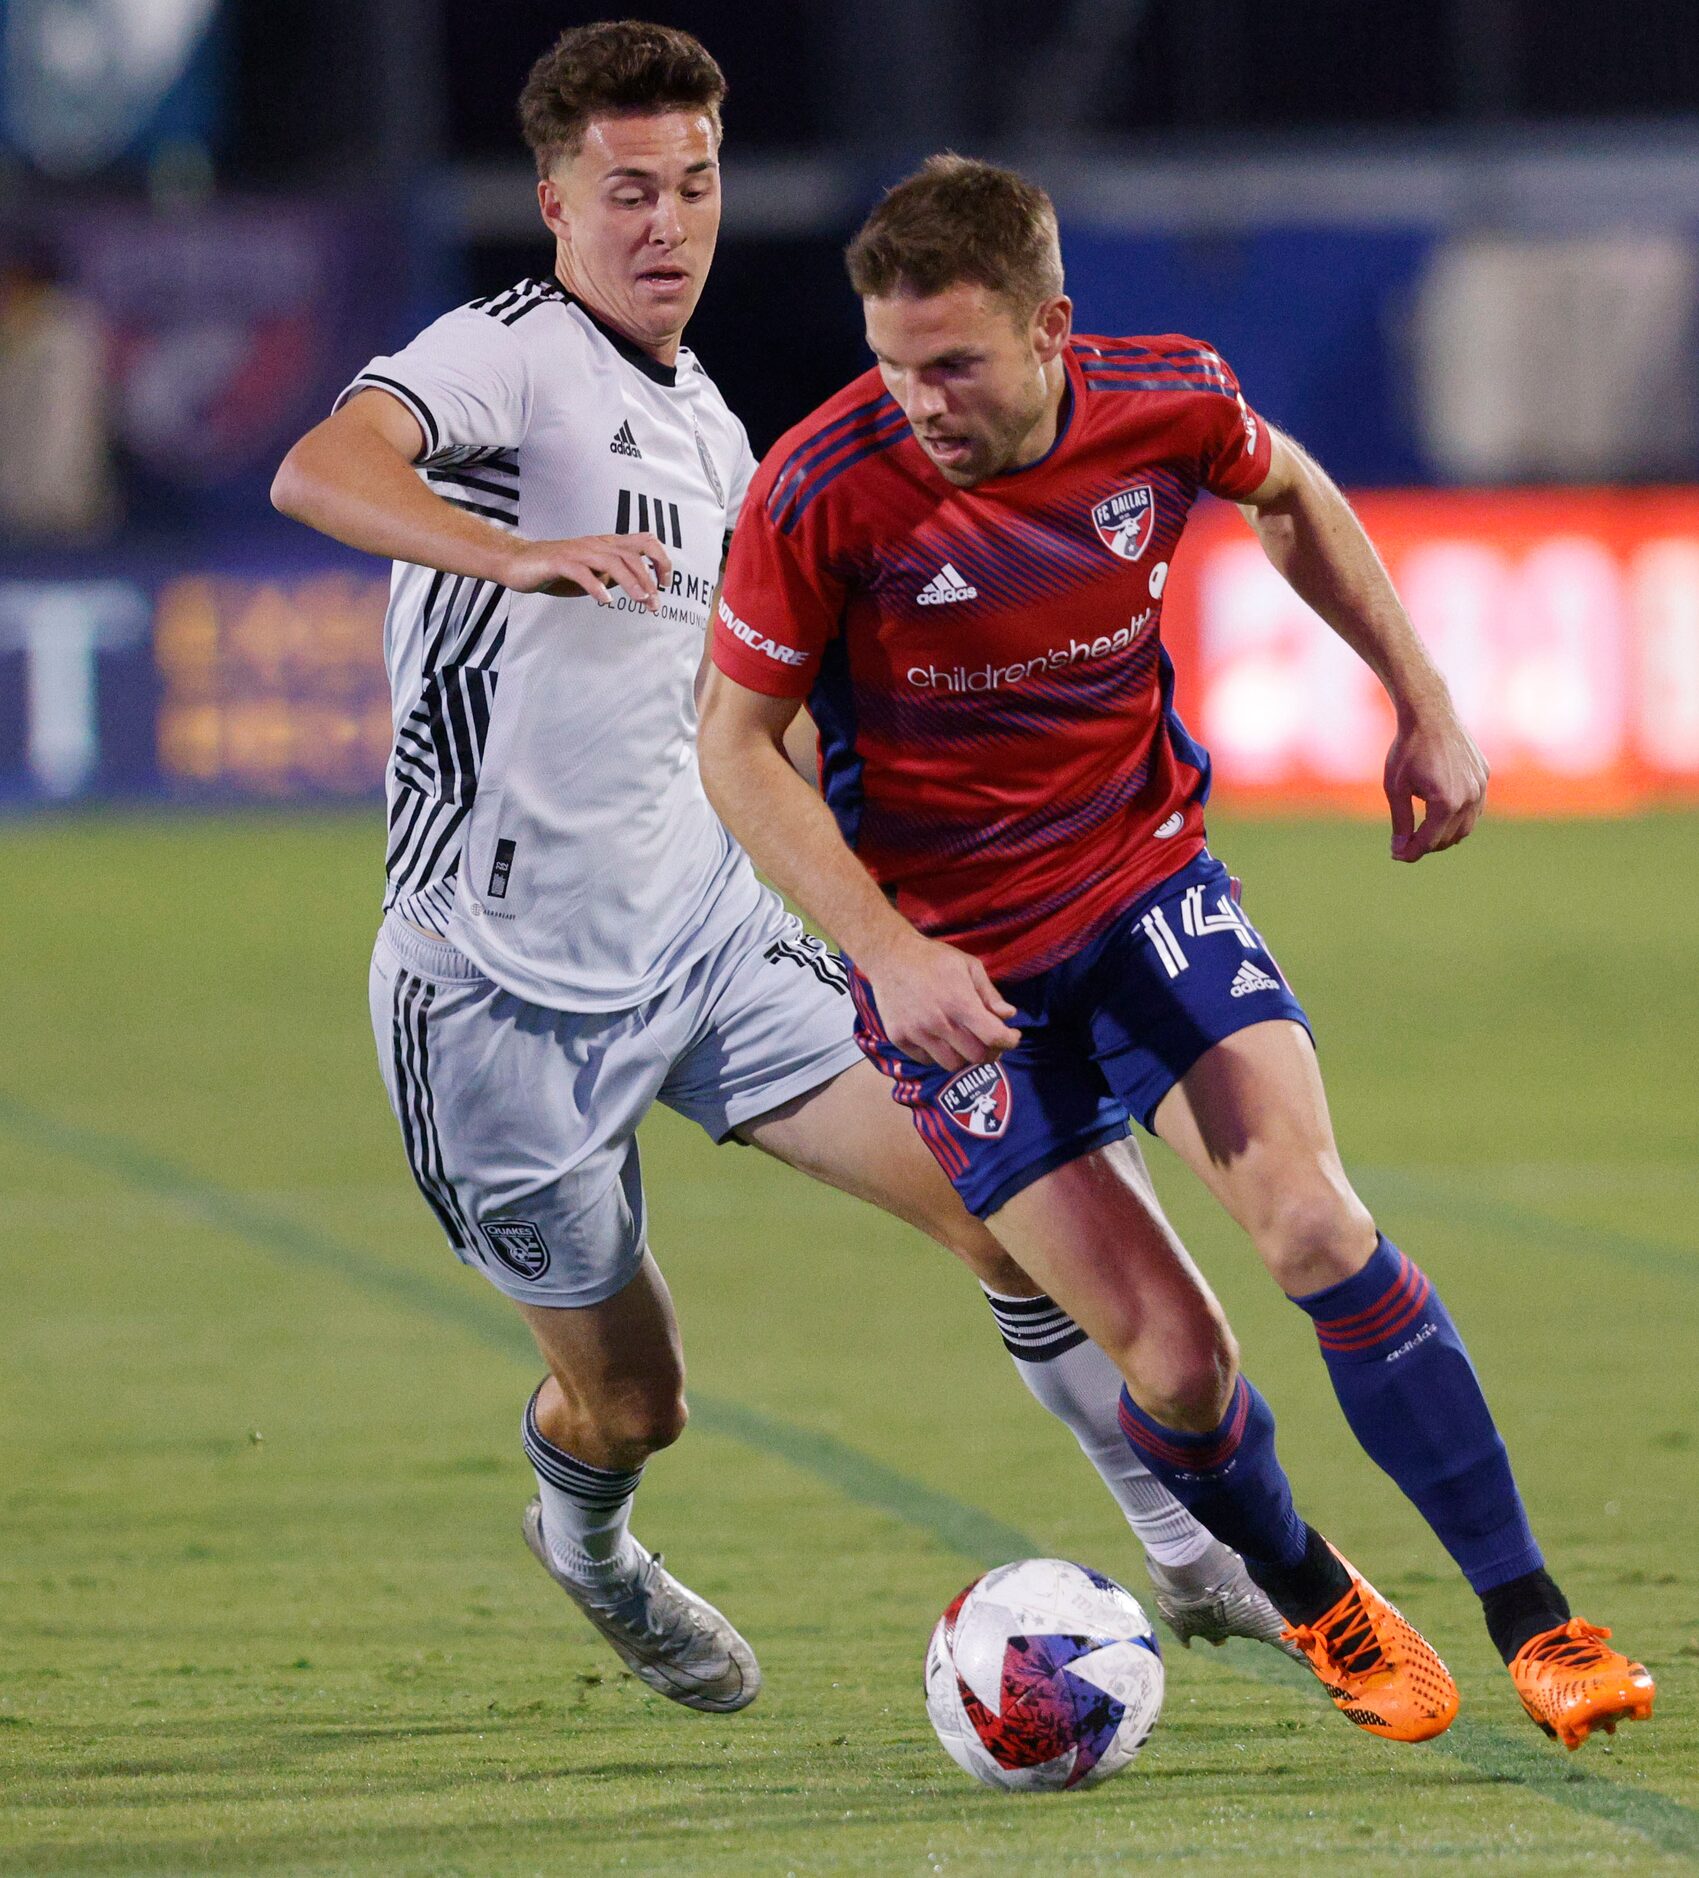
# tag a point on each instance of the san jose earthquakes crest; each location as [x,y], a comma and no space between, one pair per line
[978,1100]
[519,1244]
[1126,521]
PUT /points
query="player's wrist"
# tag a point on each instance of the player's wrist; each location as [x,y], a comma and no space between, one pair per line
[888,938]
[1421,698]
[505,559]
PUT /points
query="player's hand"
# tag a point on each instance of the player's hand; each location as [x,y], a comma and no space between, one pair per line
[1433,759]
[938,1005]
[594,564]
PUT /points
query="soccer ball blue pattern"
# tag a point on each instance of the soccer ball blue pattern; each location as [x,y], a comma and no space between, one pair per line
[1043,1675]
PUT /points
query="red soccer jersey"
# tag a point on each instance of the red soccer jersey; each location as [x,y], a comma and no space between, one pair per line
[985,666]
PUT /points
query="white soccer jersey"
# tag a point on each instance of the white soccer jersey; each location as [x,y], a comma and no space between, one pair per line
[545,810]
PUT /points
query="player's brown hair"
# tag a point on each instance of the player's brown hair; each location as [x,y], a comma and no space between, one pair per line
[959,220]
[608,69]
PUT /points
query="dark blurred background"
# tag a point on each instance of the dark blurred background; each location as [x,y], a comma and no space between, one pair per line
[1450,244]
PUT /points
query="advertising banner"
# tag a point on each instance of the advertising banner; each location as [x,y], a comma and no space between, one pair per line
[197,685]
[1567,624]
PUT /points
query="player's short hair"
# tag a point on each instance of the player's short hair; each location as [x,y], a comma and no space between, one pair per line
[613,68]
[959,220]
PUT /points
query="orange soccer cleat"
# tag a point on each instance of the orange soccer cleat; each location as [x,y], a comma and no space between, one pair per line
[1381,1672]
[1572,1682]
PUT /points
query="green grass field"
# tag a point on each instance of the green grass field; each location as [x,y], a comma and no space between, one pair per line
[263,1602]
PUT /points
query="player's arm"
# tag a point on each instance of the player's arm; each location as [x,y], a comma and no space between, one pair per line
[935,1002]
[1309,532]
[353,478]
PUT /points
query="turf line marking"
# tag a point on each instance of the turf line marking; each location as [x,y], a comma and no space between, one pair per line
[976,1535]
[1462,1202]
[1520,1759]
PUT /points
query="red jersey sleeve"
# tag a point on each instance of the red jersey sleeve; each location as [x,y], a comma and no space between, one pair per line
[1205,419]
[778,605]
[1233,444]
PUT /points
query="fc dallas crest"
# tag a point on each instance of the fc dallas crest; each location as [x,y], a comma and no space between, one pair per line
[1125,522]
[978,1100]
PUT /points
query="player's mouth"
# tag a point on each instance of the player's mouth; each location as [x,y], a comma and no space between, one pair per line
[951,450]
[665,280]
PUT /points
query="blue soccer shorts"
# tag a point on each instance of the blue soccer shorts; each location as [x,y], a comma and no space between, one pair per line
[1104,1036]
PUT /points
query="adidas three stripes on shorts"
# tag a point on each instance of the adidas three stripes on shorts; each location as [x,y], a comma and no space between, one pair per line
[519,1122]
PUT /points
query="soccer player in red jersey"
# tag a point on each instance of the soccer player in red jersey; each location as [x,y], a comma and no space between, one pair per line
[959,563]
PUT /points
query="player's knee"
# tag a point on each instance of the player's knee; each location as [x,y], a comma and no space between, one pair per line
[1186,1375]
[623,1425]
[650,1420]
[1314,1232]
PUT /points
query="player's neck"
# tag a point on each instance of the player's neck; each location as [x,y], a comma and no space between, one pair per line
[662,351]
[1041,439]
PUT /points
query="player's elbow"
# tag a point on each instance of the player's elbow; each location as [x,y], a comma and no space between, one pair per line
[291,487]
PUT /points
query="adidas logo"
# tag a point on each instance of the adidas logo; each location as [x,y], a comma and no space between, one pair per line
[1250,979]
[944,586]
[624,444]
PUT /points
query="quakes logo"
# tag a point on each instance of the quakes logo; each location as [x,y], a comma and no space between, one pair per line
[978,1100]
[519,1244]
[1126,521]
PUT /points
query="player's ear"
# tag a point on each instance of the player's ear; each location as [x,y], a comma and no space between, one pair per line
[551,207]
[1052,327]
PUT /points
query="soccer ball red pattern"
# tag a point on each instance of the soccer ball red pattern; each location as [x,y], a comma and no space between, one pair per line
[1043,1675]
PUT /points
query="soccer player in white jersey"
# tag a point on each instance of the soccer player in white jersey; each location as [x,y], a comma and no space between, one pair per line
[569,934]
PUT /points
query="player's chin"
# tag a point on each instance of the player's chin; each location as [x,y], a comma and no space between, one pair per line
[962,468]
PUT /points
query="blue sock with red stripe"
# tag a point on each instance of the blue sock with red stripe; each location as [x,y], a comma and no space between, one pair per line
[1414,1402]
[1229,1479]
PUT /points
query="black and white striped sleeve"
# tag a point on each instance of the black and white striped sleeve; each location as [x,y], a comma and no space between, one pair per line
[465,379]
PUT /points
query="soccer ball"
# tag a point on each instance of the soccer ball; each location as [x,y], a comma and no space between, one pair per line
[1043,1675]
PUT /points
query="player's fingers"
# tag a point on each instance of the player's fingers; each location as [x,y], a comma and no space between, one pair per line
[586,578]
[992,998]
[632,572]
[1435,833]
[1403,809]
[936,1046]
[652,549]
[989,1033]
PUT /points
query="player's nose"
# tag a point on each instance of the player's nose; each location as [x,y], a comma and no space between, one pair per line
[666,227]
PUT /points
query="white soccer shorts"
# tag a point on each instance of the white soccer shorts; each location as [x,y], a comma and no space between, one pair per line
[520,1122]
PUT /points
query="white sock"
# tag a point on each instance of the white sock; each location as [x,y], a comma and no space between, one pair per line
[586,1510]
[1081,1387]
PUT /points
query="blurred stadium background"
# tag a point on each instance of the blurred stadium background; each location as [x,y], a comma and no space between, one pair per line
[1450,244]
[270,1611]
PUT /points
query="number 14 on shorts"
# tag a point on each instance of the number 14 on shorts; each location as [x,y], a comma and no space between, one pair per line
[1197,921]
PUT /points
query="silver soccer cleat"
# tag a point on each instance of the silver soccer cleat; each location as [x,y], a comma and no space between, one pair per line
[1215,1598]
[662,1632]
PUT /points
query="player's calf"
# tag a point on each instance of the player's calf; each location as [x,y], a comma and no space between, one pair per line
[1201,1587]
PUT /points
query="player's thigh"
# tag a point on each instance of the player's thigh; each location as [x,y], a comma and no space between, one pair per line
[761,1021]
[1179,972]
[852,1135]
[1250,1118]
[996,1127]
[1094,1235]
[518,1123]
[627,1345]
